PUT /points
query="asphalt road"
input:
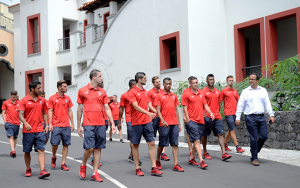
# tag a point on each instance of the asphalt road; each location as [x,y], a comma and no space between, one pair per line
[118,172]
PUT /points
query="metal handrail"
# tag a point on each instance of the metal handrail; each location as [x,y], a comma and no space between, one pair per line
[6,23]
[82,38]
[100,31]
[35,47]
[64,44]
[252,69]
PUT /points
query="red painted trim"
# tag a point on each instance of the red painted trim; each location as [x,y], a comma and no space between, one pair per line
[165,51]
[271,32]
[28,79]
[105,15]
[239,44]
[30,32]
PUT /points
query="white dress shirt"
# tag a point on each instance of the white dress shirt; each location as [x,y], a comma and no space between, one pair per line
[254,101]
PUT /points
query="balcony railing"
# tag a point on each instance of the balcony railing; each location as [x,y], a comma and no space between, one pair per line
[64,44]
[82,38]
[253,69]
[35,47]
[6,23]
[100,30]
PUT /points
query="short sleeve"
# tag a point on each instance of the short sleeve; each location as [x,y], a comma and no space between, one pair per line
[105,98]
[4,107]
[237,95]
[185,100]
[45,108]
[122,103]
[70,104]
[110,105]
[22,105]
[204,101]
[80,97]
[50,103]
[158,100]
[221,97]
[176,100]
[132,97]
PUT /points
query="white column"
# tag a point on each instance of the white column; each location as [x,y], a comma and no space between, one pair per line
[113,7]
[90,17]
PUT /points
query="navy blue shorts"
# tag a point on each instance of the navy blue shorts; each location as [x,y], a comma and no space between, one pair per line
[138,130]
[195,130]
[129,134]
[231,122]
[106,125]
[155,124]
[215,125]
[94,137]
[168,135]
[38,140]
[48,134]
[12,130]
[61,133]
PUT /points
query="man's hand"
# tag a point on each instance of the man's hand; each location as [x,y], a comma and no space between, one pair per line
[119,124]
[80,132]
[152,115]
[72,128]
[237,122]
[28,127]
[165,124]
[212,116]
[50,127]
[186,120]
[114,129]
[46,129]
[179,127]
[272,119]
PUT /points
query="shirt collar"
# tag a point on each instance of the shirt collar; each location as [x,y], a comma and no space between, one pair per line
[165,93]
[190,90]
[90,87]
[156,90]
[207,89]
[136,88]
[258,87]
[229,88]
[31,99]
[58,96]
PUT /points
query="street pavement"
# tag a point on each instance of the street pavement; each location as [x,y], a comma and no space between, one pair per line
[118,172]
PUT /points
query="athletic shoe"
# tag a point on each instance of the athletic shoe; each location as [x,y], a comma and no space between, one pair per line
[121,141]
[53,162]
[110,140]
[64,167]
[225,156]
[203,165]
[43,173]
[139,172]
[164,157]
[28,172]
[239,150]
[255,163]
[227,148]
[193,162]
[82,172]
[130,159]
[158,165]
[13,154]
[178,168]
[92,163]
[96,177]
[206,156]
[140,162]
[156,172]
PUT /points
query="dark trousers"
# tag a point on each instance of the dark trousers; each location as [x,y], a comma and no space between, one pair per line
[257,127]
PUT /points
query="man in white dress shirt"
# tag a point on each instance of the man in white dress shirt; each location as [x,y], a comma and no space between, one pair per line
[253,101]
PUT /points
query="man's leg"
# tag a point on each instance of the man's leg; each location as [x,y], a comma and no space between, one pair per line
[198,149]
[41,157]
[54,150]
[120,133]
[190,144]
[159,152]
[151,146]
[27,159]
[12,143]
[110,133]
[135,152]
[262,132]
[131,145]
[227,137]
[253,133]
[15,143]
[204,142]
[233,137]
[221,142]
[175,152]
[97,157]
[86,155]
[64,153]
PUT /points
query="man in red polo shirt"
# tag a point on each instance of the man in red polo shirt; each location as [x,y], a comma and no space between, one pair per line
[11,120]
[125,104]
[141,123]
[91,101]
[193,103]
[115,110]
[152,93]
[230,97]
[59,114]
[170,127]
[31,109]
[212,97]
[43,95]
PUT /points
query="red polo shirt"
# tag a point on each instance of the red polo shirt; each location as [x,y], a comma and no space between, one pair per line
[33,111]
[167,103]
[126,104]
[12,113]
[195,104]
[104,114]
[60,106]
[152,95]
[230,97]
[212,98]
[93,101]
[140,96]
[115,109]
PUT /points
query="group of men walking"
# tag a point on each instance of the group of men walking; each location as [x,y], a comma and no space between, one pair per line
[146,113]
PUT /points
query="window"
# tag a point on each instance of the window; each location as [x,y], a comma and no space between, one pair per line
[33,34]
[37,74]
[65,73]
[3,50]
[169,51]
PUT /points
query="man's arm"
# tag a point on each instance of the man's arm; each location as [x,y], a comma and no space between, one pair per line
[46,121]
[141,110]
[70,112]
[4,115]
[151,107]
[50,114]
[268,107]
[177,114]
[109,116]
[120,115]
[165,124]
[22,119]
[209,111]
[186,118]
[79,115]
[240,108]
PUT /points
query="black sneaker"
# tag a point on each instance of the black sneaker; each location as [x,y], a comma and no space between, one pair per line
[130,159]
[121,141]
[110,140]
[140,163]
